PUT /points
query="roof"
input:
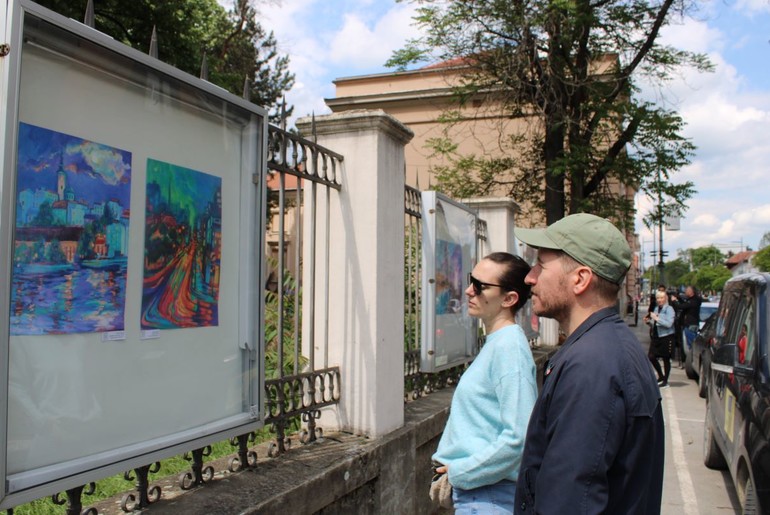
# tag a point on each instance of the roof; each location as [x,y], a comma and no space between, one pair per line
[740,257]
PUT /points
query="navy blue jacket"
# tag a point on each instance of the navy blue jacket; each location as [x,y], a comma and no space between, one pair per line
[595,441]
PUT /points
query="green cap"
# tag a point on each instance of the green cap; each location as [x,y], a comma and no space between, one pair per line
[589,240]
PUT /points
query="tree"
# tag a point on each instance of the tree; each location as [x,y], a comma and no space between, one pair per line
[569,68]
[761,259]
[712,278]
[236,47]
[765,241]
[706,256]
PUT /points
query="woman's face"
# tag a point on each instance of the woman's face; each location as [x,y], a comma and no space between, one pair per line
[489,302]
[662,299]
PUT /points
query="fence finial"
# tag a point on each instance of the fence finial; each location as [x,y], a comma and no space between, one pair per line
[418,180]
[88,19]
[154,43]
[312,128]
[283,113]
[247,89]
[204,67]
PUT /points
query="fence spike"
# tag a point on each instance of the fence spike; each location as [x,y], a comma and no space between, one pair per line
[153,52]
[312,128]
[88,19]
[283,113]
[247,89]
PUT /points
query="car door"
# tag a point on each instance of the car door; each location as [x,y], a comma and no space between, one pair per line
[721,395]
[740,385]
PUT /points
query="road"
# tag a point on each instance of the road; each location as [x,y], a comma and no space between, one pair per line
[689,488]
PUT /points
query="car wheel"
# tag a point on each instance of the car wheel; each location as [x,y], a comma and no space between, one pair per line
[712,455]
[703,379]
[688,367]
[749,503]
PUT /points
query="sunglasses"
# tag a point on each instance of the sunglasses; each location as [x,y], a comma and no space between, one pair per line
[478,285]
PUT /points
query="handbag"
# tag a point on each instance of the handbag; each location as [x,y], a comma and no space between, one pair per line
[441,492]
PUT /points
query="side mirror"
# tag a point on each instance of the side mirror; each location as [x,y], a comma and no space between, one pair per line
[724,358]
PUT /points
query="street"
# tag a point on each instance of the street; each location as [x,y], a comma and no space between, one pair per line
[689,487]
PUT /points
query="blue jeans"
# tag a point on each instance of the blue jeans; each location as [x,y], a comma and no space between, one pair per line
[491,499]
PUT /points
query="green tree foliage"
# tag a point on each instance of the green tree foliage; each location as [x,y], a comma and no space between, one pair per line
[44,217]
[706,256]
[236,47]
[761,259]
[586,128]
[712,278]
[676,272]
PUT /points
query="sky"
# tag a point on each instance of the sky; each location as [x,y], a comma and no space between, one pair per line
[727,112]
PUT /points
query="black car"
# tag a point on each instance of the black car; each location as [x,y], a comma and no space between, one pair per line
[737,425]
[700,355]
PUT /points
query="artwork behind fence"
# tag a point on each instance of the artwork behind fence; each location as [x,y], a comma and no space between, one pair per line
[183,240]
[71,234]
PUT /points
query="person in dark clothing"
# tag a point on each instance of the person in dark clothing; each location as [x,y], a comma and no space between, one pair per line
[595,441]
[688,318]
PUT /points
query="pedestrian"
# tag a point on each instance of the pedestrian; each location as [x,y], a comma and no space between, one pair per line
[662,338]
[688,308]
[480,449]
[595,439]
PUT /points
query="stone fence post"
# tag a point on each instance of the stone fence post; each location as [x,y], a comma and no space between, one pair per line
[365,302]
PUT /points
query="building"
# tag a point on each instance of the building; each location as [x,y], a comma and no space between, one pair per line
[740,263]
[421,99]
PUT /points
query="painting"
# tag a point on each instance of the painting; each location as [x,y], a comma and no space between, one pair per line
[70,236]
[182,247]
[449,277]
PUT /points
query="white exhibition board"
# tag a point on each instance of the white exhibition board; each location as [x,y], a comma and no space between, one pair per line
[101,396]
[449,253]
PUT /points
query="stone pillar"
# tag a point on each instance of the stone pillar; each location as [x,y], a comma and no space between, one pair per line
[365,302]
[499,213]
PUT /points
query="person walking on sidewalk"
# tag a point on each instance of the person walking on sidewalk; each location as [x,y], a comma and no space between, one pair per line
[662,337]
[480,449]
[595,439]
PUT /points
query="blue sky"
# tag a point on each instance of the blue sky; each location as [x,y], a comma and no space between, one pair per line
[727,112]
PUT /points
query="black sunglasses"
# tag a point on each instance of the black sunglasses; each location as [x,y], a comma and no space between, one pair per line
[477,285]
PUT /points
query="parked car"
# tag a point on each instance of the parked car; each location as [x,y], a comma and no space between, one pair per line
[706,310]
[691,363]
[737,426]
[700,355]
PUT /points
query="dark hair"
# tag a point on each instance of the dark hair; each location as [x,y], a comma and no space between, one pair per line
[512,278]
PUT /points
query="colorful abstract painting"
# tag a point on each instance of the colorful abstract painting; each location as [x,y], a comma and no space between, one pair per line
[182,247]
[449,277]
[71,234]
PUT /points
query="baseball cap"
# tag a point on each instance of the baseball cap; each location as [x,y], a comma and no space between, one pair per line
[589,240]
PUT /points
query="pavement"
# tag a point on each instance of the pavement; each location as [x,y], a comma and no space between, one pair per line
[689,488]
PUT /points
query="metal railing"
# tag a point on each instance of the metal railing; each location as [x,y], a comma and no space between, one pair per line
[299,390]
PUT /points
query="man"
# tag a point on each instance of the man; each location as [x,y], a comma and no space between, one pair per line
[688,310]
[595,441]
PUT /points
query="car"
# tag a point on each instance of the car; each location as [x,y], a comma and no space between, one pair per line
[691,362]
[699,358]
[706,310]
[736,429]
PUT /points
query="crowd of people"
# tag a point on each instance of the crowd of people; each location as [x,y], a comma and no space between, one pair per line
[591,441]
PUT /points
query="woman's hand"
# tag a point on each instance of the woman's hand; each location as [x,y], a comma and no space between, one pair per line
[441,470]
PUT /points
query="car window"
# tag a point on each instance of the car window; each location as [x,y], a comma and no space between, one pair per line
[725,324]
[744,327]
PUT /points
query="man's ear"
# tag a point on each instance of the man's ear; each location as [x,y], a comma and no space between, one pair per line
[582,278]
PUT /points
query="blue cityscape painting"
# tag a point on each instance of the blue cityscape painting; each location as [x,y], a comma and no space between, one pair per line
[182,247]
[71,234]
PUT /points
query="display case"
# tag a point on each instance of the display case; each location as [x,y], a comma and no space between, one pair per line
[449,252]
[132,209]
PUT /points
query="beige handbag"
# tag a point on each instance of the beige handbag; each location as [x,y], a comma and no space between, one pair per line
[441,492]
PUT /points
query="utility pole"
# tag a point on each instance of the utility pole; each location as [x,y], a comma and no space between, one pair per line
[662,253]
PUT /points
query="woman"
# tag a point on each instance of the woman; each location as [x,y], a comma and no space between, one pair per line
[480,449]
[662,337]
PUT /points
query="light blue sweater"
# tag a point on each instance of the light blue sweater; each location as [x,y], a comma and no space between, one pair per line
[484,436]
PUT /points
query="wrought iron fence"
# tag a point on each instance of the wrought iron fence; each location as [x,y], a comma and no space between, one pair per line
[417,383]
[299,390]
